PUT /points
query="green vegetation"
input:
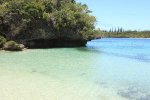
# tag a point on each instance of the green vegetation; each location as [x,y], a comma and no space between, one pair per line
[13,46]
[23,20]
[2,41]
[121,33]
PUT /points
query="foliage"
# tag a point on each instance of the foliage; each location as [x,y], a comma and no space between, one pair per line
[2,41]
[56,18]
[3,8]
[10,43]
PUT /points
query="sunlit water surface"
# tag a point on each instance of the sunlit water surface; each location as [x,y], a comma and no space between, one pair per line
[107,69]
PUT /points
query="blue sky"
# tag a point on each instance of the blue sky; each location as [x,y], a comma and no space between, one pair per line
[128,14]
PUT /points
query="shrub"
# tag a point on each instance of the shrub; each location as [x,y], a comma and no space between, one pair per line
[10,43]
[2,41]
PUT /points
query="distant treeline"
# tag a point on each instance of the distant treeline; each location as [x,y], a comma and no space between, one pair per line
[115,30]
[121,33]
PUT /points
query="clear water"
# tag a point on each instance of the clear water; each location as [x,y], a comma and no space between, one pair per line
[107,69]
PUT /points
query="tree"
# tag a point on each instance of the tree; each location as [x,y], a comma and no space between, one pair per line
[29,19]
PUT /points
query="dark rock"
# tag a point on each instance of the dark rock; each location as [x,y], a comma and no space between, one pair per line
[98,37]
[52,43]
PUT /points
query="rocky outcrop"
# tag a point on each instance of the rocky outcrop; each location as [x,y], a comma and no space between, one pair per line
[54,43]
[46,24]
[13,46]
[39,36]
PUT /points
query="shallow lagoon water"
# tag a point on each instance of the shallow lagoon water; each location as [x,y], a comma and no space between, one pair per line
[107,69]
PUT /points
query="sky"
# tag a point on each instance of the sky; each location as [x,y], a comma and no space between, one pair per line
[128,14]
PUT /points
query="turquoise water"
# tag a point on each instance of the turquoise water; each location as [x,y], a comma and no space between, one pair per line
[107,69]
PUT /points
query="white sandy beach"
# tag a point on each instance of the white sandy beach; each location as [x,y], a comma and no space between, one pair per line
[23,85]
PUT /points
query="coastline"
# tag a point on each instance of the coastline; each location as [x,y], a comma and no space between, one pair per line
[73,74]
[124,38]
[62,44]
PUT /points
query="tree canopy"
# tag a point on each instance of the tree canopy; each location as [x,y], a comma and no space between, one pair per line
[27,19]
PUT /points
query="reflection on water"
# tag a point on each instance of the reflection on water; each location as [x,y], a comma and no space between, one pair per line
[107,69]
